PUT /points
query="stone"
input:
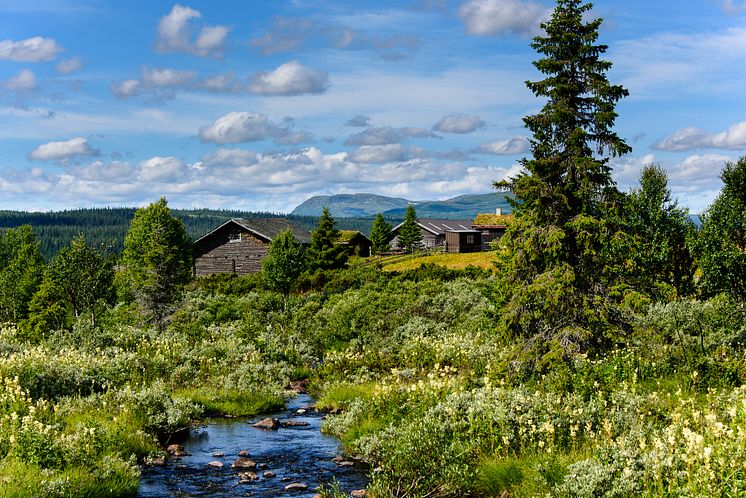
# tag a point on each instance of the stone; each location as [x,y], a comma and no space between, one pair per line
[157,462]
[268,423]
[180,453]
[346,463]
[261,466]
[296,486]
[301,411]
[359,493]
[173,448]
[215,464]
[299,386]
[244,463]
[243,453]
[269,474]
[294,423]
[218,454]
[247,476]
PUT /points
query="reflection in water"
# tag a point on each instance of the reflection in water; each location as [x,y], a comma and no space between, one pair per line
[299,454]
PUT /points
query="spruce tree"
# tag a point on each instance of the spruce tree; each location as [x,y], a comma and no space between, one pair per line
[21,270]
[324,253]
[380,235]
[284,263]
[556,281]
[410,236]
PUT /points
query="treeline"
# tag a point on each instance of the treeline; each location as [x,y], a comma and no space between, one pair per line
[106,227]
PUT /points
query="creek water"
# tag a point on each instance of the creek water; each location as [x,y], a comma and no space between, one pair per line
[295,454]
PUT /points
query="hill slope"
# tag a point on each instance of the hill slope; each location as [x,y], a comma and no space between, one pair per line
[349,205]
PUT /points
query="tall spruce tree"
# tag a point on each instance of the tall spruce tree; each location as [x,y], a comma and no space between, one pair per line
[21,270]
[555,285]
[380,234]
[324,253]
[410,236]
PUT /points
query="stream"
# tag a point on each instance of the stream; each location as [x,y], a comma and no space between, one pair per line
[294,454]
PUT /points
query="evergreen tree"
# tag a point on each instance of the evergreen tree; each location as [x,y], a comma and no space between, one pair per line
[324,253]
[284,263]
[79,279]
[556,287]
[659,231]
[410,236]
[21,270]
[156,261]
[380,235]
[721,245]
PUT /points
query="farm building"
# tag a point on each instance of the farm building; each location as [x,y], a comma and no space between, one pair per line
[239,245]
[462,241]
[492,226]
[433,232]
[357,244]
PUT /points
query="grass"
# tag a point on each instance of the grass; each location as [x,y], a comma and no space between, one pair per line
[338,396]
[236,402]
[449,260]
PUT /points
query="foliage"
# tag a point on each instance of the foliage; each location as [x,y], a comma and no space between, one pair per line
[380,234]
[721,245]
[655,254]
[156,261]
[556,283]
[324,253]
[21,269]
[410,236]
[79,279]
[284,263]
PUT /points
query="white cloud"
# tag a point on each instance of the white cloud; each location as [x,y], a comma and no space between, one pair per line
[502,17]
[387,135]
[161,169]
[459,123]
[291,78]
[734,6]
[359,121]
[515,145]
[126,88]
[734,138]
[166,77]
[173,34]
[238,127]
[24,81]
[386,153]
[64,150]
[230,157]
[68,66]
[36,49]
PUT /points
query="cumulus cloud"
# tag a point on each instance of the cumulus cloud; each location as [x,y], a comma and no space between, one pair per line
[515,145]
[166,77]
[359,121]
[63,151]
[291,78]
[225,83]
[386,153]
[36,49]
[161,169]
[285,34]
[502,17]
[68,66]
[174,35]
[734,138]
[734,6]
[24,81]
[459,123]
[239,127]
[126,88]
[230,157]
[388,135]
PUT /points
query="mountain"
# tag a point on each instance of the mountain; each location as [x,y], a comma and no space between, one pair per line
[349,205]
[362,205]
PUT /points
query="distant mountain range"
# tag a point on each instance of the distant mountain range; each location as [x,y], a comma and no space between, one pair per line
[365,205]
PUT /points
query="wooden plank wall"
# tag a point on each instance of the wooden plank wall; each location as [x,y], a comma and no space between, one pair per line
[219,254]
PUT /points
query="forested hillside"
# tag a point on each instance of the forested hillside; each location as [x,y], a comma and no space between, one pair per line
[107,226]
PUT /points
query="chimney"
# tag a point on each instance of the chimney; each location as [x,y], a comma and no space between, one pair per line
[498,211]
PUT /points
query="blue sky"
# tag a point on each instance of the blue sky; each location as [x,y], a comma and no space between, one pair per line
[259,105]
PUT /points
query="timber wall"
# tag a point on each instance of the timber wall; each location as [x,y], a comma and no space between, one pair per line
[219,254]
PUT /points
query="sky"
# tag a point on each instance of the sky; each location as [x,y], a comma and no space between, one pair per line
[259,105]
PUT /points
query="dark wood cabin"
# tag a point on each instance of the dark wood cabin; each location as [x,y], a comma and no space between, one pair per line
[462,241]
[433,232]
[357,244]
[492,226]
[239,245]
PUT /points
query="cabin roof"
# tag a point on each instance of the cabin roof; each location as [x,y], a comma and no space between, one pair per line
[264,228]
[493,220]
[347,236]
[439,227]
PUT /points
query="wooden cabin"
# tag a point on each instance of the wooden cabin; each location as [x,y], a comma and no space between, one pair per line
[492,226]
[462,241]
[239,245]
[357,244]
[433,232]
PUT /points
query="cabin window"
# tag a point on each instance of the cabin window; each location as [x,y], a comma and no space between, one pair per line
[469,238]
[234,237]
